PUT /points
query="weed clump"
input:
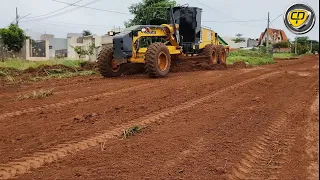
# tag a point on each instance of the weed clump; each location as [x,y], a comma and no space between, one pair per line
[37,94]
[131,131]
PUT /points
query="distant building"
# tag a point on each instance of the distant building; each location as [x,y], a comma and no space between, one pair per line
[275,36]
[57,46]
[248,43]
[252,42]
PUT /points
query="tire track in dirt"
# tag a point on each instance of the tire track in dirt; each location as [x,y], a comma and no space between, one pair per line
[195,148]
[312,138]
[26,164]
[84,99]
[269,153]
[69,102]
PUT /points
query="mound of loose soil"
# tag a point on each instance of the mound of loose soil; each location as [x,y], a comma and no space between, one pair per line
[45,70]
[89,65]
[9,71]
[238,64]
[193,65]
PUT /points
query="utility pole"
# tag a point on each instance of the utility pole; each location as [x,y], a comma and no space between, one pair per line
[311,47]
[267,42]
[17,16]
[295,45]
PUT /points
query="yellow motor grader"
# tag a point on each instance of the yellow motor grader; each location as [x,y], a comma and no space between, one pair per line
[156,45]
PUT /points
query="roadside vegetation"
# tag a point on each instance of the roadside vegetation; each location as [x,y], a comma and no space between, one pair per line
[14,71]
[285,55]
[23,64]
[250,57]
[63,75]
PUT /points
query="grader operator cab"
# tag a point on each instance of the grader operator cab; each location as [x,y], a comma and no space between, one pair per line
[156,45]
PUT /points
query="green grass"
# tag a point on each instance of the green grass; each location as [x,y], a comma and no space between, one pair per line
[284,55]
[23,64]
[251,60]
[250,57]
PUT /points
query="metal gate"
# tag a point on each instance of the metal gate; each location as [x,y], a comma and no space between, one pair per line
[37,48]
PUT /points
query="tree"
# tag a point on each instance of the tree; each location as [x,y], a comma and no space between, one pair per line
[239,39]
[86,33]
[149,11]
[80,51]
[13,37]
[302,40]
[315,46]
[282,44]
[304,45]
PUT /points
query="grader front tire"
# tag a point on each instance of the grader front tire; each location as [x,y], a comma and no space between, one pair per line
[157,60]
[107,67]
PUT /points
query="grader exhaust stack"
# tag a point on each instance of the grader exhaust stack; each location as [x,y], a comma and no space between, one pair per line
[154,45]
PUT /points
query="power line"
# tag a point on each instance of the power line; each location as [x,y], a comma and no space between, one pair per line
[55,10]
[258,20]
[218,12]
[276,18]
[226,16]
[55,23]
[71,10]
[83,6]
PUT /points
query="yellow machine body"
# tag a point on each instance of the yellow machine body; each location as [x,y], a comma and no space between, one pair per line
[138,55]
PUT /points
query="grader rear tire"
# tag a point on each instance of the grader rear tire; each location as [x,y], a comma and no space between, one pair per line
[222,55]
[210,51]
[157,60]
[107,67]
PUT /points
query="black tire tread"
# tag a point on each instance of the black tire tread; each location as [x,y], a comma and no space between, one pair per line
[151,58]
[207,51]
[103,66]
[221,49]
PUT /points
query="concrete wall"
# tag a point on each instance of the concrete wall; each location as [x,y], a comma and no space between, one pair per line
[57,44]
[252,43]
[29,49]
[249,42]
[232,44]
[106,39]
[87,41]
[5,54]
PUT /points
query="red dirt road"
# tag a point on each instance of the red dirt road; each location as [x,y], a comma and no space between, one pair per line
[249,123]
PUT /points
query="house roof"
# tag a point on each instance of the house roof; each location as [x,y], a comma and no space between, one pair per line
[273,31]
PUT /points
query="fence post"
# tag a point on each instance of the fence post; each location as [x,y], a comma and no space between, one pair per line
[27,49]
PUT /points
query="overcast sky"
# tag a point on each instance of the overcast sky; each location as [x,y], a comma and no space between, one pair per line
[43,20]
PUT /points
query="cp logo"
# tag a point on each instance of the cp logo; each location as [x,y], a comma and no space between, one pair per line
[299,18]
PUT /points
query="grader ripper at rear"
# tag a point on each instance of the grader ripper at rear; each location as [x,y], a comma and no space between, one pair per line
[156,45]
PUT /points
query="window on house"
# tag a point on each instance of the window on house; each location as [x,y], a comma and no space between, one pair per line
[80,40]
